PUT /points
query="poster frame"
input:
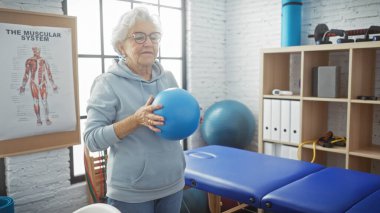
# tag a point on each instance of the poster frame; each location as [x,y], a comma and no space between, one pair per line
[54,140]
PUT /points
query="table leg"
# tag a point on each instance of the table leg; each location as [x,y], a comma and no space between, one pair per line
[214,203]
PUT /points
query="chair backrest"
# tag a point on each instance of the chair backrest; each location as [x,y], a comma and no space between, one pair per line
[96,168]
[97,208]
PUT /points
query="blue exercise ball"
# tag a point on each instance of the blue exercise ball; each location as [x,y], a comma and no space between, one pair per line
[181,112]
[194,201]
[228,123]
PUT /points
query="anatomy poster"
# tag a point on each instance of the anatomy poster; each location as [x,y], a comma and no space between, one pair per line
[36,83]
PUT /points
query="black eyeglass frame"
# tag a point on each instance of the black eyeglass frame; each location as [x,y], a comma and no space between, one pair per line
[145,36]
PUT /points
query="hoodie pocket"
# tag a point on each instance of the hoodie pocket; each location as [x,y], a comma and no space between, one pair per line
[161,170]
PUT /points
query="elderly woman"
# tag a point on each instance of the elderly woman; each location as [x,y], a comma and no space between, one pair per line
[145,173]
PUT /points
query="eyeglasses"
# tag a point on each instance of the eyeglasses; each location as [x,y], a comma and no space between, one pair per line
[140,37]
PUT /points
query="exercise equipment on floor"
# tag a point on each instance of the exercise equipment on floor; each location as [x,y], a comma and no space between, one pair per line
[228,123]
[181,112]
[322,34]
[194,200]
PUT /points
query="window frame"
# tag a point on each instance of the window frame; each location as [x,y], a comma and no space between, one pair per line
[3,188]
[76,179]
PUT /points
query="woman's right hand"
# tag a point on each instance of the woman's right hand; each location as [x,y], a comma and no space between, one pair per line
[145,116]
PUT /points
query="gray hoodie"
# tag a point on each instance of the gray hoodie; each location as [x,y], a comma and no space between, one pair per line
[142,166]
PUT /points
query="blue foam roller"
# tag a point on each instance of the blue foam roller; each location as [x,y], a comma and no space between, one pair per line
[291,23]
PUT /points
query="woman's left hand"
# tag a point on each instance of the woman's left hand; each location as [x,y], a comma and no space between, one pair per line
[146,117]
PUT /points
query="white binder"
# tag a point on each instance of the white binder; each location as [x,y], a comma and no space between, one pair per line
[278,149]
[269,149]
[285,121]
[289,152]
[293,153]
[284,151]
[276,119]
[267,108]
[295,137]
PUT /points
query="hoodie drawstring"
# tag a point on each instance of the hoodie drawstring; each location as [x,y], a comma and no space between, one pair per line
[142,92]
[158,89]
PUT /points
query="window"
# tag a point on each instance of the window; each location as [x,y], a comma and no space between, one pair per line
[3,191]
[95,21]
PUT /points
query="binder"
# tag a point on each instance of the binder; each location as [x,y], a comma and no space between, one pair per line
[276,120]
[293,153]
[278,149]
[285,121]
[267,108]
[288,152]
[284,151]
[269,149]
[295,137]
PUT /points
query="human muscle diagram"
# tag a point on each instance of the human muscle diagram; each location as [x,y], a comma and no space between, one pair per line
[37,87]
[38,73]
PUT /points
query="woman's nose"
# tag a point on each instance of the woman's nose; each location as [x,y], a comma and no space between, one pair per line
[148,42]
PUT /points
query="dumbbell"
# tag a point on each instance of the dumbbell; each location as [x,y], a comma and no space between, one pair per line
[322,34]
[371,30]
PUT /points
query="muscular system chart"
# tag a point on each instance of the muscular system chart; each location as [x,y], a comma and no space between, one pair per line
[37,86]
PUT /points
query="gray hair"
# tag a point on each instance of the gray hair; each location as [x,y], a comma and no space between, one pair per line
[127,21]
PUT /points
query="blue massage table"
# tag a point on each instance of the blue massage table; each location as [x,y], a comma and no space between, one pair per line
[368,204]
[275,184]
[329,190]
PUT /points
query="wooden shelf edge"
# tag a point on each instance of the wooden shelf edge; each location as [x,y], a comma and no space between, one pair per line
[292,97]
[326,47]
[365,101]
[335,149]
[279,142]
[372,152]
[325,99]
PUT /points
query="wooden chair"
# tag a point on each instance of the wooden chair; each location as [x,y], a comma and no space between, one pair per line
[95,172]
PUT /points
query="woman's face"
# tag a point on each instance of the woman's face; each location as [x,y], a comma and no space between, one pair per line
[143,54]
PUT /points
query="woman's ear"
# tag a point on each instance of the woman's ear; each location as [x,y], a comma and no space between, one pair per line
[120,47]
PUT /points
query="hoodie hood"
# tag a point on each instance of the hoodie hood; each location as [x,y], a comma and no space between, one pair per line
[122,70]
[160,79]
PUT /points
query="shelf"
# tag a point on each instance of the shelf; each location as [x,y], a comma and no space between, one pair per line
[282,143]
[335,47]
[365,101]
[353,71]
[367,152]
[335,149]
[293,97]
[325,99]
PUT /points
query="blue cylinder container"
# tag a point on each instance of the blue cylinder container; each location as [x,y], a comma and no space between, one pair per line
[291,22]
[6,204]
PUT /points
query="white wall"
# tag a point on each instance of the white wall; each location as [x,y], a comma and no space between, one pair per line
[206,26]
[224,40]
[245,37]
[250,26]
[40,182]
